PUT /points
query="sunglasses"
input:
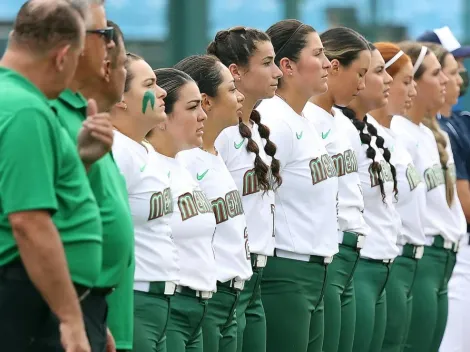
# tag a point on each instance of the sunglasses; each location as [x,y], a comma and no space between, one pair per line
[106,33]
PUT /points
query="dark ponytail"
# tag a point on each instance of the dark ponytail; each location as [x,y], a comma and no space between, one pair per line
[366,138]
[236,46]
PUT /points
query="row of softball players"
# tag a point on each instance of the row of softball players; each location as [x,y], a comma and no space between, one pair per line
[308,183]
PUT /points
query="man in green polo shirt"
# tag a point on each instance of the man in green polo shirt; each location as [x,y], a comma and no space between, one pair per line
[107,92]
[105,179]
[49,219]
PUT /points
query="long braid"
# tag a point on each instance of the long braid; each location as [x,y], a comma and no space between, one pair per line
[261,169]
[380,142]
[237,45]
[433,125]
[270,148]
[366,139]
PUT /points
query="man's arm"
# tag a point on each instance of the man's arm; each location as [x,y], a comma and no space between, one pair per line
[43,257]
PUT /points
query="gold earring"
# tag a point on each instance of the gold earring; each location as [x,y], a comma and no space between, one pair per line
[125,107]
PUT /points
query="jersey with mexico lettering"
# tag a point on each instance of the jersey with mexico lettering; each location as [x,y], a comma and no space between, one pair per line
[231,247]
[306,202]
[193,228]
[458,225]
[420,143]
[147,175]
[337,144]
[411,199]
[380,214]
[258,205]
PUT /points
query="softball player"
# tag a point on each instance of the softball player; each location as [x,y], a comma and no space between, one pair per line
[350,56]
[456,338]
[250,157]
[222,104]
[148,185]
[379,185]
[429,312]
[192,222]
[410,203]
[294,280]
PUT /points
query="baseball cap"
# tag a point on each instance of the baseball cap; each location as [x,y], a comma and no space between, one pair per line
[446,38]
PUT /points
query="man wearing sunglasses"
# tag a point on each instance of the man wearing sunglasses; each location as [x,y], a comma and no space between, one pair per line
[74,108]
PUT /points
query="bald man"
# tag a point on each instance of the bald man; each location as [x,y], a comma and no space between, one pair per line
[49,220]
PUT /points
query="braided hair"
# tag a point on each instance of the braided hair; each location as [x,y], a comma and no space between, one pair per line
[236,46]
[366,138]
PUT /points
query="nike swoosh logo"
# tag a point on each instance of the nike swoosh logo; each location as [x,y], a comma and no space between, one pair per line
[169,173]
[201,176]
[238,146]
[143,168]
[299,136]
[325,135]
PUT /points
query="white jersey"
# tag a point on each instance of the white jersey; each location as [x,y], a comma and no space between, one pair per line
[411,189]
[420,143]
[306,213]
[458,227]
[147,175]
[258,206]
[193,227]
[231,247]
[350,199]
[380,214]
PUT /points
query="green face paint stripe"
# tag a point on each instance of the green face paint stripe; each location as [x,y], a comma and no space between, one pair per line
[149,96]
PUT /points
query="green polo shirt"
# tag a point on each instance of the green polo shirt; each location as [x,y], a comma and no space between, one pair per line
[109,188]
[40,170]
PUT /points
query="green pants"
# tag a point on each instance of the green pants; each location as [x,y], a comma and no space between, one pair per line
[429,314]
[370,279]
[251,320]
[399,303]
[293,303]
[184,332]
[151,315]
[340,302]
[219,328]
[121,311]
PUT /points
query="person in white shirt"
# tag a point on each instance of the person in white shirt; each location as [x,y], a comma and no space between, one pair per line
[457,222]
[379,186]
[411,201]
[151,205]
[222,103]
[456,338]
[350,57]
[193,222]
[306,235]
[429,311]
[250,157]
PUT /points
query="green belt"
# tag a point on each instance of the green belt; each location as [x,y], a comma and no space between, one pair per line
[439,242]
[350,239]
[410,251]
[158,288]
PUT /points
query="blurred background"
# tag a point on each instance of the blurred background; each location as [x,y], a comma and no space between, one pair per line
[165,31]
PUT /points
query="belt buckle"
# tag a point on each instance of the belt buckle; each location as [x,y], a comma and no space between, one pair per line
[455,247]
[448,244]
[418,252]
[170,288]
[261,260]
[388,261]
[327,260]
[238,285]
[360,241]
[204,294]
[84,295]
